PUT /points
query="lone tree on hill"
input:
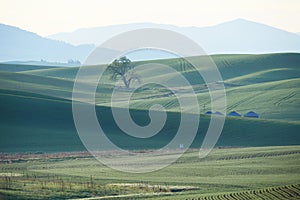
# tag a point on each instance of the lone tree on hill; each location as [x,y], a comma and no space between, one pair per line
[119,69]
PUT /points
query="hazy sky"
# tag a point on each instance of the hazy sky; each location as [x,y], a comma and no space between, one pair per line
[46,17]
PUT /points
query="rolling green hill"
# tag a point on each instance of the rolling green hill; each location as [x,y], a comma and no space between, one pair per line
[266,84]
[230,66]
[21,67]
[36,112]
[34,122]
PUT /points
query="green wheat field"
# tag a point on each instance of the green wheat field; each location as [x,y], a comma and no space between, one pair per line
[42,156]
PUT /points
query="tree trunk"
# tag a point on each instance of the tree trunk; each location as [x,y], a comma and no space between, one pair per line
[126,83]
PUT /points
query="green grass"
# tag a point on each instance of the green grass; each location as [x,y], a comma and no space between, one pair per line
[282,193]
[230,66]
[41,123]
[21,67]
[266,84]
[37,105]
[243,172]
[36,117]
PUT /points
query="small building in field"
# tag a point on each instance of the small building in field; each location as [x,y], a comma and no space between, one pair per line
[208,113]
[234,114]
[251,114]
[218,113]
[213,113]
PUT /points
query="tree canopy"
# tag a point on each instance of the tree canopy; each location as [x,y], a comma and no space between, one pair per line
[119,69]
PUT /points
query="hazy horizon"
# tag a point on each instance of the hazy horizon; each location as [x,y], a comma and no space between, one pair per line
[50,17]
[147,22]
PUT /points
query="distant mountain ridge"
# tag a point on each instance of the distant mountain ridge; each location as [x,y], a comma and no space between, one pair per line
[237,36]
[17,45]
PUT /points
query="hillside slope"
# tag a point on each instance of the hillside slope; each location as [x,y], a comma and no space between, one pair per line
[37,123]
[36,109]
[267,84]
